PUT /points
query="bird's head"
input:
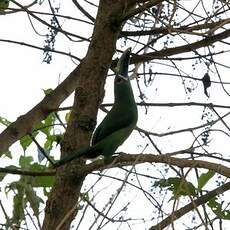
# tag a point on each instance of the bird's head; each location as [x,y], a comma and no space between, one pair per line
[122,87]
[123,66]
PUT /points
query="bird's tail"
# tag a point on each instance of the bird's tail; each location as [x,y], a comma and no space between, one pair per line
[71,156]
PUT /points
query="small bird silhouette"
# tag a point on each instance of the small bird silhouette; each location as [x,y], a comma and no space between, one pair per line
[206,83]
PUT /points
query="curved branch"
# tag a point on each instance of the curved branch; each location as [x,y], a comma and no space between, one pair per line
[176,104]
[130,159]
[210,105]
[182,29]
[40,48]
[189,207]
[180,49]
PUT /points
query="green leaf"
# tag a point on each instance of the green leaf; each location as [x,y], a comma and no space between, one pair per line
[46,191]
[33,199]
[204,178]
[3,120]
[217,209]
[49,142]
[35,167]
[43,181]
[67,116]
[51,139]
[18,206]
[25,162]
[59,138]
[24,192]
[47,124]
[2,175]
[86,196]
[40,181]
[25,142]
[4,5]
[12,167]
[7,154]
[47,91]
[178,186]
[47,147]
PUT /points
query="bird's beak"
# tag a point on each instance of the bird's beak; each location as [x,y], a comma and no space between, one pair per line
[123,64]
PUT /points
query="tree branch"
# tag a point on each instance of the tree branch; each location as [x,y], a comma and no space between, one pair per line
[176,104]
[141,9]
[28,172]
[25,124]
[210,105]
[189,207]
[40,48]
[83,11]
[209,40]
[182,29]
[130,159]
[180,49]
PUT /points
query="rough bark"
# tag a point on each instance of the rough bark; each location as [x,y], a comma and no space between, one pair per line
[88,95]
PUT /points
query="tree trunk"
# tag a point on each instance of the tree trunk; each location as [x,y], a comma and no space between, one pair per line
[91,74]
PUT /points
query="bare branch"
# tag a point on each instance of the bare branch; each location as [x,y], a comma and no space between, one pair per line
[25,124]
[141,8]
[50,26]
[91,18]
[180,49]
[21,172]
[130,159]
[183,29]
[40,48]
[192,205]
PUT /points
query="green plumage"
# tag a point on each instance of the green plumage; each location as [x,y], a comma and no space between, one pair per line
[119,122]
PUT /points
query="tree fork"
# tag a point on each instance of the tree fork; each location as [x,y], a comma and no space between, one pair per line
[88,96]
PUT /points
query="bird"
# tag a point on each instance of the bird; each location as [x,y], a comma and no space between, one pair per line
[118,124]
[206,83]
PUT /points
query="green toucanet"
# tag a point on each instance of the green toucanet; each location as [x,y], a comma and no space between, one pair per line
[119,122]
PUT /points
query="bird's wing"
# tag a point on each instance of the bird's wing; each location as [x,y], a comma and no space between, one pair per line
[114,121]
